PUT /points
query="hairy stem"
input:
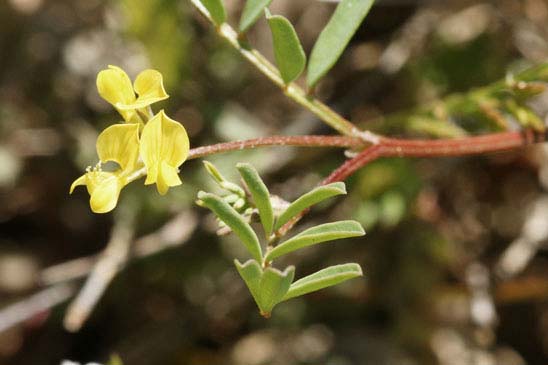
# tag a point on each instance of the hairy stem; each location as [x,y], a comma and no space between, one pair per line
[301,141]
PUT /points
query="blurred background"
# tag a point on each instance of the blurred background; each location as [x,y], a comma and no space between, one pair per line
[455,258]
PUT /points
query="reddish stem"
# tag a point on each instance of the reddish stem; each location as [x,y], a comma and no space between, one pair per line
[302,141]
[393,147]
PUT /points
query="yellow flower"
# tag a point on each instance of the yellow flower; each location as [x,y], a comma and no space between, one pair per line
[164,147]
[118,143]
[155,147]
[115,87]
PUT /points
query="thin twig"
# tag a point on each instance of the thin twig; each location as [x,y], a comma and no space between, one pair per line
[113,257]
[175,232]
[34,305]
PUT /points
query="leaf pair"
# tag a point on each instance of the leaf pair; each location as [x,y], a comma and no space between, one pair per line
[271,286]
[289,53]
[331,43]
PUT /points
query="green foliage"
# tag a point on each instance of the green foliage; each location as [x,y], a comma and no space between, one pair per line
[252,11]
[309,199]
[335,37]
[323,233]
[213,172]
[289,53]
[260,194]
[216,10]
[327,277]
[268,285]
[234,220]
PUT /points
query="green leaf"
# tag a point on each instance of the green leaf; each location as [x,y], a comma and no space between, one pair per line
[260,194]
[267,287]
[289,53]
[251,272]
[322,233]
[233,188]
[234,220]
[309,199]
[327,277]
[216,10]
[335,37]
[252,11]
[214,172]
[273,287]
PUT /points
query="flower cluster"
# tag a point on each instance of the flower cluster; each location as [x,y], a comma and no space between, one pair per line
[143,143]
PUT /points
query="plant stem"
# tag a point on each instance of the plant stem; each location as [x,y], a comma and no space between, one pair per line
[301,141]
[292,90]
[394,147]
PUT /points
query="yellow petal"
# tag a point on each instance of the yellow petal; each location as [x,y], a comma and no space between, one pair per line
[103,187]
[80,181]
[150,88]
[119,143]
[163,141]
[167,177]
[115,87]
[104,196]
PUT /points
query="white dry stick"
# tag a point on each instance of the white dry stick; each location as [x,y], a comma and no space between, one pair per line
[113,258]
[533,235]
[175,232]
[37,303]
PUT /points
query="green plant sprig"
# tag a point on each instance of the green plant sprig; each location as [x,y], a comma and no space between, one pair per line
[268,285]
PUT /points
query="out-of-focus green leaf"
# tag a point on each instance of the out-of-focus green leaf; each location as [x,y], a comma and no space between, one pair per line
[392,208]
[327,277]
[252,11]
[216,10]
[251,273]
[322,233]
[289,53]
[260,194]
[234,220]
[335,37]
[307,200]
[274,285]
